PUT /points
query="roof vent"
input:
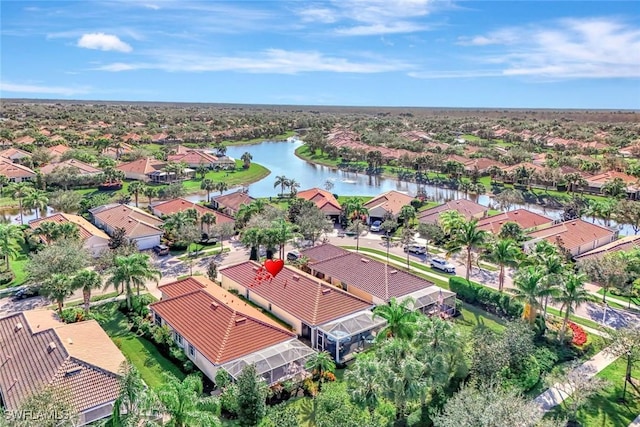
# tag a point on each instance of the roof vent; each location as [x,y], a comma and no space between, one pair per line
[52,346]
[295,277]
[69,340]
[72,371]
[393,271]
[326,291]
[240,320]
[364,260]
[17,327]
[214,305]
[256,268]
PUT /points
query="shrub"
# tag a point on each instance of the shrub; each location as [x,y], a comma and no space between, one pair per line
[310,388]
[329,376]
[579,335]
[229,399]
[489,299]
[546,358]
[6,277]
[72,315]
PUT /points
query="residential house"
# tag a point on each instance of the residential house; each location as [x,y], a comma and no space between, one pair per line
[304,302]
[117,151]
[632,150]
[24,140]
[142,169]
[596,182]
[79,359]
[140,227]
[624,244]
[94,239]
[465,207]
[324,200]
[390,202]
[527,220]
[165,208]
[82,168]
[217,330]
[15,172]
[57,151]
[194,158]
[481,165]
[576,236]
[230,203]
[16,155]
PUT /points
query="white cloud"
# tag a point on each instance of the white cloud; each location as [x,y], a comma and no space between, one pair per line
[380,29]
[151,6]
[48,90]
[102,41]
[274,61]
[323,15]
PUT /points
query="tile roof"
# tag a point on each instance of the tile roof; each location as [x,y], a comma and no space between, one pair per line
[369,275]
[193,157]
[523,217]
[218,331]
[85,228]
[14,170]
[83,168]
[172,206]
[600,179]
[136,222]
[573,234]
[14,153]
[623,244]
[391,201]
[466,207]
[324,200]
[58,150]
[26,139]
[234,200]
[311,300]
[142,166]
[323,252]
[72,356]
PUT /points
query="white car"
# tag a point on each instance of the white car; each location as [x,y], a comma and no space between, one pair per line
[443,265]
[416,249]
[376,226]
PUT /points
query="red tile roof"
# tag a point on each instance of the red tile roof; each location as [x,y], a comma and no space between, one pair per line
[82,167]
[14,153]
[170,207]
[136,222]
[58,150]
[626,243]
[14,170]
[573,234]
[85,228]
[217,331]
[371,276]
[193,157]
[324,200]
[310,300]
[523,217]
[142,166]
[600,179]
[466,207]
[234,200]
[392,201]
[323,252]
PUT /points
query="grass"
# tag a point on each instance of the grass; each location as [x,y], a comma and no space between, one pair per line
[579,320]
[304,153]
[363,199]
[80,302]
[604,408]
[142,353]
[634,299]
[17,266]
[240,176]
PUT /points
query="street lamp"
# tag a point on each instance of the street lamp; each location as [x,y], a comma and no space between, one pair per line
[604,314]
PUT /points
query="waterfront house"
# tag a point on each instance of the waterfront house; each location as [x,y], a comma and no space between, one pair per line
[140,227]
[15,172]
[465,207]
[142,169]
[390,202]
[576,236]
[165,208]
[527,220]
[624,244]
[230,203]
[324,200]
[596,182]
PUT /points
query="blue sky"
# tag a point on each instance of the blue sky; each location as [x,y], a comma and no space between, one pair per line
[511,54]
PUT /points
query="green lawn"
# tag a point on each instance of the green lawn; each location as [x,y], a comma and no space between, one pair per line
[323,159]
[634,299]
[239,176]
[363,199]
[17,266]
[142,353]
[604,409]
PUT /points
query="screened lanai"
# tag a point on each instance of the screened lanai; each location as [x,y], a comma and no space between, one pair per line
[432,300]
[345,337]
[276,363]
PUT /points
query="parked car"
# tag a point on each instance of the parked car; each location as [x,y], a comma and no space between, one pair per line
[416,249]
[376,226]
[161,250]
[443,265]
[293,256]
[26,293]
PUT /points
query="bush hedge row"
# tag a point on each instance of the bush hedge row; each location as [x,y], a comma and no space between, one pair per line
[491,300]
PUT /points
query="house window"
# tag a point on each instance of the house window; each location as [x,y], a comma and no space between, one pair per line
[158,320]
[178,338]
[192,351]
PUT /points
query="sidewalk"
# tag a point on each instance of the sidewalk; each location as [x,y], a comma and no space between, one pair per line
[553,397]
[635,423]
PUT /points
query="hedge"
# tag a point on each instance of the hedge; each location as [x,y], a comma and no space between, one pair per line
[489,299]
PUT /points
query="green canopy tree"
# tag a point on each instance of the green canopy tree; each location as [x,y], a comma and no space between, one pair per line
[184,403]
[10,238]
[401,319]
[252,395]
[87,280]
[129,271]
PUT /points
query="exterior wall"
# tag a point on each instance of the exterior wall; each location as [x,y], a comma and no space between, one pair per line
[147,242]
[296,323]
[95,413]
[136,176]
[96,245]
[360,293]
[593,245]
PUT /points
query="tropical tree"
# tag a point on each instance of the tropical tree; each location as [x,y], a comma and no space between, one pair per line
[401,319]
[252,394]
[529,290]
[135,188]
[246,159]
[320,363]
[3,182]
[468,237]
[208,219]
[135,400]
[150,192]
[19,191]
[355,208]
[202,170]
[284,231]
[67,230]
[625,342]
[504,253]
[407,214]
[184,403]
[221,187]
[131,270]
[293,187]
[281,181]
[10,237]
[208,185]
[572,295]
[38,200]
[450,221]
[614,188]
[87,280]
[58,288]
[252,237]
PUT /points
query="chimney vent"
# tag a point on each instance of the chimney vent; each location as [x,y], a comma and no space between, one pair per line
[52,346]
[295,277]
[74,370]
[326,291]
[214,305]
[393,271]
[69,340]
[17,327]
[364,260]
[240,320]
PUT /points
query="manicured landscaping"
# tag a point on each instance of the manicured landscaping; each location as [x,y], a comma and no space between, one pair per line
[233,178]
[634,299]
[142,353]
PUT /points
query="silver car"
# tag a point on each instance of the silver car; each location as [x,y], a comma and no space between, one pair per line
[443,265]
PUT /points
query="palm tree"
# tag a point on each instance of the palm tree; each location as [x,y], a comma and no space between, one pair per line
[221,187]
[401,320]
[135,188]
[407,214]
[178,221]
[208,219]
[252,237]
[19,191]
[529,290]
[202,170]
[363,384]
[134,399]
[355,208]
[505,252]
[67,230]
[320,363]
[10,236]
[407,238]
[58,288]
[293,187]
[87,280]
[450,221]
[131,270]
[281,181]
[284,231]
[554,274]
[184,403]
[208,185]
[572,295]
[246,159]
[3,181]
[150,192]
[37,200]
[469,237]
[47,229]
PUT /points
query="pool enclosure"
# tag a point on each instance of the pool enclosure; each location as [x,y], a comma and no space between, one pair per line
[349,335]
[277,363]
[432,301]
